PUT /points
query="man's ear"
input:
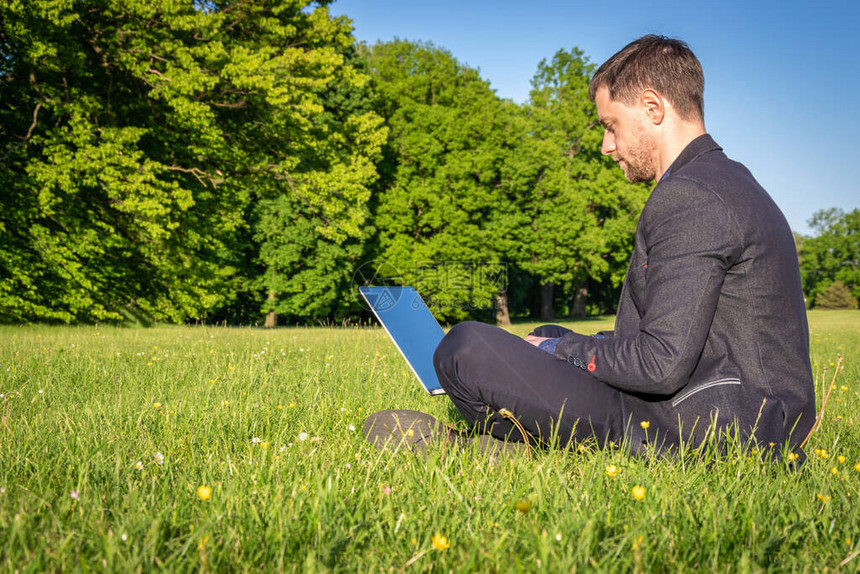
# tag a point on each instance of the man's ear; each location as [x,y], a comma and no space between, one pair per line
[653,105]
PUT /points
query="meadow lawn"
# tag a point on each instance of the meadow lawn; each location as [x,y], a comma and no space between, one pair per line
[108,433]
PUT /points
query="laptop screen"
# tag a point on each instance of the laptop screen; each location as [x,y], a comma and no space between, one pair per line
[411,326]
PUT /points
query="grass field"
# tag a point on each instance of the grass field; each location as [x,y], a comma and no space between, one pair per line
[107,435]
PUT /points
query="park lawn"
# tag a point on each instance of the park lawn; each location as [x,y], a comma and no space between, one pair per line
[107,433]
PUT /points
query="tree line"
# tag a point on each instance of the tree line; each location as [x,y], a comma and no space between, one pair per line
[219,161]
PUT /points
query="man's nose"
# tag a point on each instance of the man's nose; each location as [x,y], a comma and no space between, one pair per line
[608,143]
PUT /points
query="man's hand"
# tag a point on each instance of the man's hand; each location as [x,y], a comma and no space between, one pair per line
[536,340]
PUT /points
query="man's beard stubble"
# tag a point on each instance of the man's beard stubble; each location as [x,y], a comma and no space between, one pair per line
[640,168]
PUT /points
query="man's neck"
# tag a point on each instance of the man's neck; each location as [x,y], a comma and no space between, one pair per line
[672,146]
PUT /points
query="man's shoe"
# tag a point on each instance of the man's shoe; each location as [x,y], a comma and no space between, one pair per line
[412,430]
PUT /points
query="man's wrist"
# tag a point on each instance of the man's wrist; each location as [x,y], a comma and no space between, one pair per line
[549,345]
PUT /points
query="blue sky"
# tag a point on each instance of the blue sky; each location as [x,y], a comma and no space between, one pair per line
[782,79]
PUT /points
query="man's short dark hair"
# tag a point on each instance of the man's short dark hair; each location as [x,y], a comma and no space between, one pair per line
[663,64]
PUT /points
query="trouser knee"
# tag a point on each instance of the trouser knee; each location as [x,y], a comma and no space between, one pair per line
[459,353]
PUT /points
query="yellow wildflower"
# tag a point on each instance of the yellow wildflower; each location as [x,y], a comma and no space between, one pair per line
[857,467]
[638,492]
[611,470]
[645,424]
[823,498]
[157,406]
[440,542]
[834,471]
[204,492]
[523,505]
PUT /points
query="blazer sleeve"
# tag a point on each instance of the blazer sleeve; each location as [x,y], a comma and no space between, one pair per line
[690,243]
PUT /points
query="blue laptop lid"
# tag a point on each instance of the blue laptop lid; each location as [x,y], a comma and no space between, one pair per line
[411,326]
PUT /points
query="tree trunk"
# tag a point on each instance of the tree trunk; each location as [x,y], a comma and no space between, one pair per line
[503,315]
[546,296]
[580,295]
[271,316]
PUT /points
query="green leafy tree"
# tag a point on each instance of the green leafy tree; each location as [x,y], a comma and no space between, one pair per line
[310,248]
[449,137]
[837,295]
[581,212]
[137,138]
[832,254]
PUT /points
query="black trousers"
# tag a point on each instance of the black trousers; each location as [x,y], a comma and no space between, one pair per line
[487,371]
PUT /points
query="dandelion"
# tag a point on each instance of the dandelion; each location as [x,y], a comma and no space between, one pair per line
[841,459]
[523,505]
[303,436]
[292,405]
[159,458]
[638,492]
[611,470]
[645,424]
[74,495]
[255,440]
[857,467]
[204,492]
[139,465]
[440,542]
[834,471]
[280,407]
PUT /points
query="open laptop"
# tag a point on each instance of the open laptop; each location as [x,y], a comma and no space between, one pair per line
[411,326]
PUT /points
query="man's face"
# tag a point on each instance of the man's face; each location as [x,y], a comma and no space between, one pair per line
[626,137]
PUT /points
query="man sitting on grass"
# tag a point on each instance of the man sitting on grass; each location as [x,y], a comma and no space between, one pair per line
[710,334]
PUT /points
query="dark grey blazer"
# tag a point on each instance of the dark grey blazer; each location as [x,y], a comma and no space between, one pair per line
[711,325]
